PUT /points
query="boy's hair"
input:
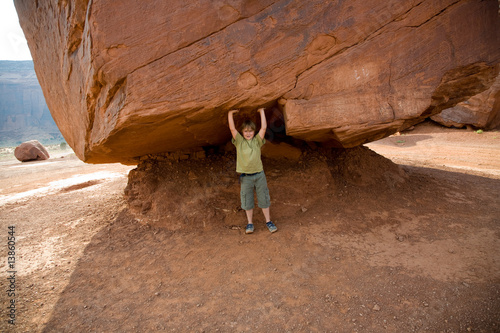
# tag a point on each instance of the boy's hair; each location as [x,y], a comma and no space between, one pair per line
[248,124]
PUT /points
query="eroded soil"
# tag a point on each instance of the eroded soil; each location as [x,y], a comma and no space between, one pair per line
[363,250]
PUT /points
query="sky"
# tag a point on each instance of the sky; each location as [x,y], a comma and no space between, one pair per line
[13,45]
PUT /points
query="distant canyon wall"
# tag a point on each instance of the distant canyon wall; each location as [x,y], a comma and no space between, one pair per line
[24,114]
[128,78]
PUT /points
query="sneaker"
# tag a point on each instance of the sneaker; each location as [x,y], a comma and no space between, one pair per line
[249,228]
[270,225]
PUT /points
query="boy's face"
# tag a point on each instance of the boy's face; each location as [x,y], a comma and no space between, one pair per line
[248,133]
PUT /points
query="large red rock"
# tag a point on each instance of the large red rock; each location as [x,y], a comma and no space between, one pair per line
[480,111]
[31,151]
[129,78]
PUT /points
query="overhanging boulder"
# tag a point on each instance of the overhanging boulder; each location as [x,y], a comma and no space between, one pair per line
[130,78]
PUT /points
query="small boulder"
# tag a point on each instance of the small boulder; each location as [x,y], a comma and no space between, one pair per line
[30,151]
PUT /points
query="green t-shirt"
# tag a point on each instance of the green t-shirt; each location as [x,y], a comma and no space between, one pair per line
[248,154]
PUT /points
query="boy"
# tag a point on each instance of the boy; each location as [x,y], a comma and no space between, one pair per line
[249,164]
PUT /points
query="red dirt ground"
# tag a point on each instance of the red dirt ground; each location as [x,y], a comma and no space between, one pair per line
[363,245]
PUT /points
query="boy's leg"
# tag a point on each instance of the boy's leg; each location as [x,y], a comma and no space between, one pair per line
[246,195]
[247,203]
[265,201]
[267,214]
[249,227]
[263,198]
[249,216]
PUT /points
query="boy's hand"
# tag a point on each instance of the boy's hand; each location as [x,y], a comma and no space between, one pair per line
[233,111]
[260,110]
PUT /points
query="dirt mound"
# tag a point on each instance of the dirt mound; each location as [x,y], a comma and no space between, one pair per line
[363,167]
[202,193]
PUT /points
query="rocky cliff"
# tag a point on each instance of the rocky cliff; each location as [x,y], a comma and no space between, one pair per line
[24,115]
[129,78]
[480,111]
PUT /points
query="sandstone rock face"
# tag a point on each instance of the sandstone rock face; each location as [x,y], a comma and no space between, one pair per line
[481,111]
[30,151]
[129,78]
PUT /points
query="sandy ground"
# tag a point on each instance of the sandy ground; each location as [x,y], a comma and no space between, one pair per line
[421,255]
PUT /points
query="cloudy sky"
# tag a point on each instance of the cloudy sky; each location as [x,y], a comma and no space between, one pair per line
[13,45]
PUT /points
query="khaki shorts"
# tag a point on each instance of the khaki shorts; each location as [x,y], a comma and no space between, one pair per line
[258,182]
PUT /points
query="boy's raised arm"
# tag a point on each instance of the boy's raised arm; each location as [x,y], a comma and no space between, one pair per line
[263,123]
[230,120]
